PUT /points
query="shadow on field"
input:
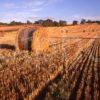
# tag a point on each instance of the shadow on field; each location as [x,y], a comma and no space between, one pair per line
[30,35]
[7,46]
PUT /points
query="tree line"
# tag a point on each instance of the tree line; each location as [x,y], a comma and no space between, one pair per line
[49,22]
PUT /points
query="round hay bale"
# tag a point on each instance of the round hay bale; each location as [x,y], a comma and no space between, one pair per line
[24,38]
[40,42]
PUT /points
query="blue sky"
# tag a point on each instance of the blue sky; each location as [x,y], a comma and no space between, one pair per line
[22,10]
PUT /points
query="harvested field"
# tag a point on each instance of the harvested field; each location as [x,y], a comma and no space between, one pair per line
[44,37]
[30,76]
[63,65]
[19,79]
[79,81]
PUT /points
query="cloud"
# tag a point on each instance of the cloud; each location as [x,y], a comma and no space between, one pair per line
[8,17]
[24,4]
[9,5]
[55,1]
[28,4]
[92,17]
[20,12]
[35,3]
[79,17]
[24,9]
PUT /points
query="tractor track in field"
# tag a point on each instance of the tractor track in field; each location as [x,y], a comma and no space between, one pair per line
[83,65]
[83,75]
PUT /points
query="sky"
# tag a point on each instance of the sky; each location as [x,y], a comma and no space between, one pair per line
[69,10]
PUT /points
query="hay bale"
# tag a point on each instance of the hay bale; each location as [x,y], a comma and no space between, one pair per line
[24,38]
[40,42]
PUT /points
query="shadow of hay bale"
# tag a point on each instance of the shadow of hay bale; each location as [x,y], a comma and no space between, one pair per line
[7,46]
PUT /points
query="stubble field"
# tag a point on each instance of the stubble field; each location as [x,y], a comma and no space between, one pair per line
[63,64]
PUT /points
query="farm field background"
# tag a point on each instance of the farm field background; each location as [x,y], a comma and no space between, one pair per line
[58,55]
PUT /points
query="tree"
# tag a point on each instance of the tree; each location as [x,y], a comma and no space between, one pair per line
[75,22]
[50,23]
[29,22]
[62,23]
[55,23]
[98,22]
[47,22]
[15,23]
[83,21]
[1,23]
[39,22]
[89,22]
